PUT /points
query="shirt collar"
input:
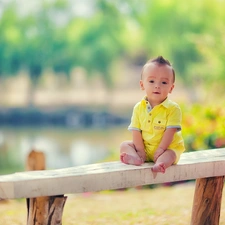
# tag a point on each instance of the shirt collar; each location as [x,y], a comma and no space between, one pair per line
[165,103]
[144,101]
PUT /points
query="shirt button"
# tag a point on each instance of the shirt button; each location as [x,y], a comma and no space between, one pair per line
[149,121]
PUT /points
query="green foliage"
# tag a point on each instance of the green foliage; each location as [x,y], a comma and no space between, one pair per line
[10,39]
[8,161]
[100,41]
[45,41]
[203,127]
[190,35]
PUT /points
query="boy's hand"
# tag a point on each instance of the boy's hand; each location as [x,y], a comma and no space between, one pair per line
[142,155]
[158,152]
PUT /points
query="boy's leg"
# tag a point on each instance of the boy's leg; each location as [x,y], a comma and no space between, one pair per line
[164,161]
[128,154]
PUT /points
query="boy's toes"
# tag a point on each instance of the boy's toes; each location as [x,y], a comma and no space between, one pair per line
[130,159]
[160,167]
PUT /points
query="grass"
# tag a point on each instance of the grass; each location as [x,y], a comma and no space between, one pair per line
[159,206]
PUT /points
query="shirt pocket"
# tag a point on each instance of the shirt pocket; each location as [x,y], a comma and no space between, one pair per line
[159,125]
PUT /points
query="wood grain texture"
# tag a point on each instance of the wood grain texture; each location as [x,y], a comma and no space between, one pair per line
[207,201]
[46,210]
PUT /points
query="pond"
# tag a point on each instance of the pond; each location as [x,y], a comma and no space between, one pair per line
[63,147]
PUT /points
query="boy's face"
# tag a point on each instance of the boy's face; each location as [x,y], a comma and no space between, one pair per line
[158,82]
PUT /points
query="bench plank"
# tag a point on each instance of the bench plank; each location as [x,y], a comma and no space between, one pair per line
[109,175]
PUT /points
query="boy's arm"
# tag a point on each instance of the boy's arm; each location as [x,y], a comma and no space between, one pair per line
[139,144]
[165,142]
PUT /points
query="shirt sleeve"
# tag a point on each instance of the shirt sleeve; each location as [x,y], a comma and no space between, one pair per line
[135,122]
[174,118]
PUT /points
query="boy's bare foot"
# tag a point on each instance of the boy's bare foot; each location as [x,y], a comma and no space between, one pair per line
[159,167]
[130,159]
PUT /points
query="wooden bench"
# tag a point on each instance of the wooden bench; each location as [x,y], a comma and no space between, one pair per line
[207,166]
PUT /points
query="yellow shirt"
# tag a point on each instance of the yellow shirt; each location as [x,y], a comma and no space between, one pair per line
[153,123]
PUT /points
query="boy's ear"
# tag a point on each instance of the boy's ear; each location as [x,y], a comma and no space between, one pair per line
[141,85]
[171,89]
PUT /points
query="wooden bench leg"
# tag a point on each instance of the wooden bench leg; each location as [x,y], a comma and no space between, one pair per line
[207,201]
[45,210]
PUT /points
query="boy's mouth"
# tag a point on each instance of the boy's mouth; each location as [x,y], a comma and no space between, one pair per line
[156,92]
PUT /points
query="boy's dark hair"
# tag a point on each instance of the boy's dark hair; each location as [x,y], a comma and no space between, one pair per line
[161,61]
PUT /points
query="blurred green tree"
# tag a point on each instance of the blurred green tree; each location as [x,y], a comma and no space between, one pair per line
[44,41]
[100,43]
[10,43]
[210,44]
[190,34]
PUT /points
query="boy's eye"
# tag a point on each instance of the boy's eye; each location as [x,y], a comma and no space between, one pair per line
[151,81]
[164,82]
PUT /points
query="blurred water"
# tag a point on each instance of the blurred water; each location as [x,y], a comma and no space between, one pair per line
[62,147]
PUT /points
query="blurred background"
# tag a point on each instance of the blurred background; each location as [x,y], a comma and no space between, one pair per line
[70,71]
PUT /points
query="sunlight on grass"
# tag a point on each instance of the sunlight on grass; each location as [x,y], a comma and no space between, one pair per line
[159,206]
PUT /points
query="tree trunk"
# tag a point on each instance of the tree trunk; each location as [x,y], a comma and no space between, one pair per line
[207,201]
[45,210]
